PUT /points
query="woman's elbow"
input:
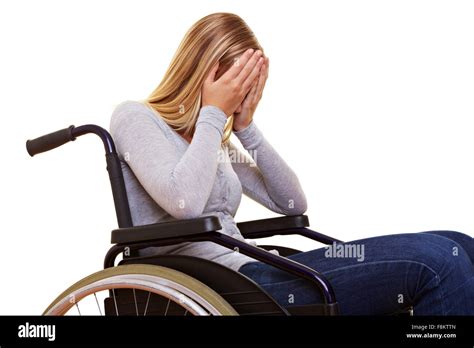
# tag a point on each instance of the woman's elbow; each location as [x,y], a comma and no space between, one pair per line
[182,204]
[186,213]
[297,206]
[299,210]
[185,208]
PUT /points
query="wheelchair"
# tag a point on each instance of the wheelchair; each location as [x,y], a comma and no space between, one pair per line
[176,285]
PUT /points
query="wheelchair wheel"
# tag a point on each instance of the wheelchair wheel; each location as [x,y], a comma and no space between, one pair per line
[154,290]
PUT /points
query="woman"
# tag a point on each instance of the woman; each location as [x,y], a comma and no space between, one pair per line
[177,165]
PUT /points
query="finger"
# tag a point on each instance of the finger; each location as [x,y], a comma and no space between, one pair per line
[249,67]
[212,74]
[238,65]
[253,91]
[252,75]
[266,68]
[260,82]
[260,85]
[248,99]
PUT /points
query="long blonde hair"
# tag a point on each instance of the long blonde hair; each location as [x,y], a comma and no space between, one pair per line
[218,37]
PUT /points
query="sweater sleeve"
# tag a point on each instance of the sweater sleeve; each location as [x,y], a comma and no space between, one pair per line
[180,184]
[265,177]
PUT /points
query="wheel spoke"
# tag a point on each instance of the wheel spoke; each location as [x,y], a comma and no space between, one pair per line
[147,301]
[115,301]
[97,301]
[77,306]
[135,300]
[167,306]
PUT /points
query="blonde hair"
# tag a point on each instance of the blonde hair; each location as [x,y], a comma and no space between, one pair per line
[218,37]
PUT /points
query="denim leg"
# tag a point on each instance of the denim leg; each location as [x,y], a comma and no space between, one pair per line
[396,272]
[465,241]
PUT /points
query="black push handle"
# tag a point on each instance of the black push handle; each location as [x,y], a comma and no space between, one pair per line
[50,141]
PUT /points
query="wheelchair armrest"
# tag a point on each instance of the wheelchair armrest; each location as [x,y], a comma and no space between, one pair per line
[267,227]
[166,230]
[284,225]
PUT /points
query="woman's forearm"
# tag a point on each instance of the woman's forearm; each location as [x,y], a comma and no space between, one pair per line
[271,174]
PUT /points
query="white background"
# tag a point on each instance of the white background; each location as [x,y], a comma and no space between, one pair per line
[370,102]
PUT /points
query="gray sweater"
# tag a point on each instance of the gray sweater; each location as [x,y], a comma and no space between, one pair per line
[167,178]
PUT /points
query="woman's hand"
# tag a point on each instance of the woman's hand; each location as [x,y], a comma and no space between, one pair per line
[244,114]
[231,88]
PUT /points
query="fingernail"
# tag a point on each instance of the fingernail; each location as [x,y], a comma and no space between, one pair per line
[250,51]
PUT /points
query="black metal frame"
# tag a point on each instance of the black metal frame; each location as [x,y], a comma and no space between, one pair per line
[153,235]
[282,263]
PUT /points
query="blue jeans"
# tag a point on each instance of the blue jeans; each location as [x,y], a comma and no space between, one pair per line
[432,272]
